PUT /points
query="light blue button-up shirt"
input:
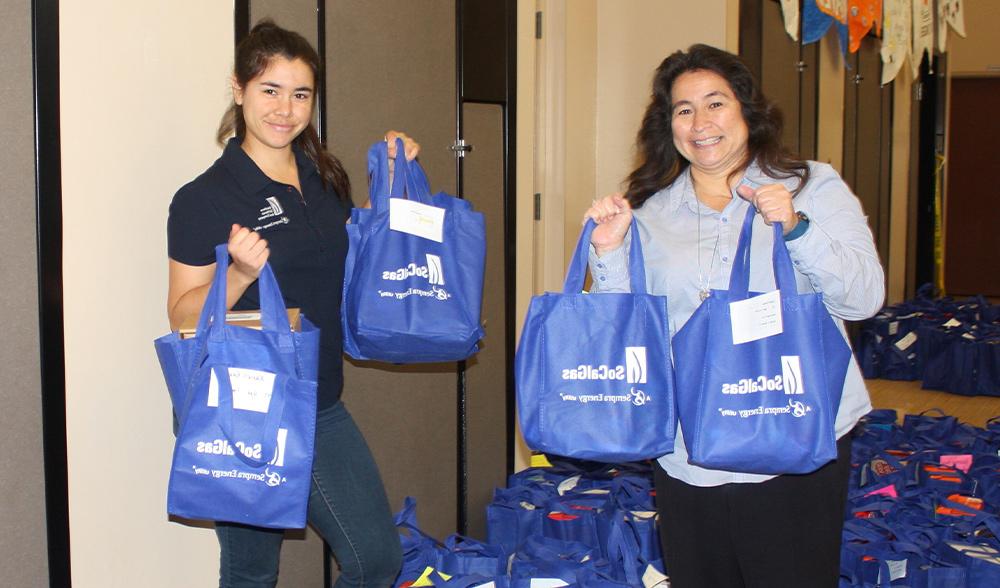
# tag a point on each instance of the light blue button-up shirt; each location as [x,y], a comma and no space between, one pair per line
[835,256]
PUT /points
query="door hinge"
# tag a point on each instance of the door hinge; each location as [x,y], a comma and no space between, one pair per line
[538,24]
[538,206]
[460,148]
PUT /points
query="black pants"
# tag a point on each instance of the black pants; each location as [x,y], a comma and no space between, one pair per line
[782,532]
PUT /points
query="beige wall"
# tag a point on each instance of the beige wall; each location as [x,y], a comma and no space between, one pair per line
[612,51]
[979,52]
[143,87]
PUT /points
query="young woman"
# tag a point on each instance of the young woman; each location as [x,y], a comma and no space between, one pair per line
[275,195]
[707,129]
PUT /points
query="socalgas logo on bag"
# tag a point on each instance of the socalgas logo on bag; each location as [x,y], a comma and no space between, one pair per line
[788,381]
[252,450]
[432,271]
[633,372]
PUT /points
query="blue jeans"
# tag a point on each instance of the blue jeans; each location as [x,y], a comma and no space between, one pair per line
[347,507]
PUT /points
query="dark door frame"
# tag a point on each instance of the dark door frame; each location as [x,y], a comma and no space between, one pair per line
[49,231]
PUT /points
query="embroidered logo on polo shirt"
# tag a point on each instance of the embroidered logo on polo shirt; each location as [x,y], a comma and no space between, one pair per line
[272,210]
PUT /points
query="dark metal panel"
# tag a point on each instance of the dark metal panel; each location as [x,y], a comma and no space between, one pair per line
[486,372]
[391,65]
[808,135]
[851,104]
[779,75]
[485,50]
[868,139]
[751,46]
[786,70]
[931,132]
[294,15]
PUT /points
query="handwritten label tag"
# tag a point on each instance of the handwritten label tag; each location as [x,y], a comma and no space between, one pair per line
[251,389]
[897,570]
[756,318]
[422,220]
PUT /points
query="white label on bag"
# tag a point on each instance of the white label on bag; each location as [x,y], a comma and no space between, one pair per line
[756,318]
[568,484]
[908,339]
[983,552]
[422,220]
[893,328]
[897,570]
[547,583]
[251,389]
[652,578]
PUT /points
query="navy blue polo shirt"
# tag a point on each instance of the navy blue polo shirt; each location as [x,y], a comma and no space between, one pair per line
[305,232]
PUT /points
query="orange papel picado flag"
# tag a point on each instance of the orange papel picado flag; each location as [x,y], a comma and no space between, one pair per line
[862,15]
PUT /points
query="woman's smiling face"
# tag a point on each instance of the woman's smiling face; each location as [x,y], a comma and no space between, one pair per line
[277,104]
[707,122]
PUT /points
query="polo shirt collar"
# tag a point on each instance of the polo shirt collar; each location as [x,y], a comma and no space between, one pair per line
[250,177]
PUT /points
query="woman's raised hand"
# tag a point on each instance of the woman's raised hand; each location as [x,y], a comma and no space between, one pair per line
[410,147]
[774,202]
[613,216]
[249,252]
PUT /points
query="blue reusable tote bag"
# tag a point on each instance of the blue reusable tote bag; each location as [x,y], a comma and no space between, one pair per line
[766,406]
[592,371]
[412,295]
[247,413]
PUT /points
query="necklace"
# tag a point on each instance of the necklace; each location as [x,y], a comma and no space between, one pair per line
[705,281]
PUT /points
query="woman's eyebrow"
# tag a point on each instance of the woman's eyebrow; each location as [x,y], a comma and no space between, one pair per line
[276,85]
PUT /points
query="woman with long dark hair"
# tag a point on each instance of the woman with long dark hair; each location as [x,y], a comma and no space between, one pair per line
[276,195]
[709,148]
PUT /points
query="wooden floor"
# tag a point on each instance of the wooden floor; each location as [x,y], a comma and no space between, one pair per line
[909,398]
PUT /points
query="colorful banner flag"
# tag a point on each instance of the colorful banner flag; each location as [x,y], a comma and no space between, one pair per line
[790,10]
[835,8]
[815,22]
[895,37]
[955,15]
[862,15]
[942,26]
[923,34]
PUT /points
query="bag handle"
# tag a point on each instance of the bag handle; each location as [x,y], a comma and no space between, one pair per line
[268,435]
[578,265]
[784,275]
[408,180]
[274,318]
[273,314]
[624,548]
[406,518]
